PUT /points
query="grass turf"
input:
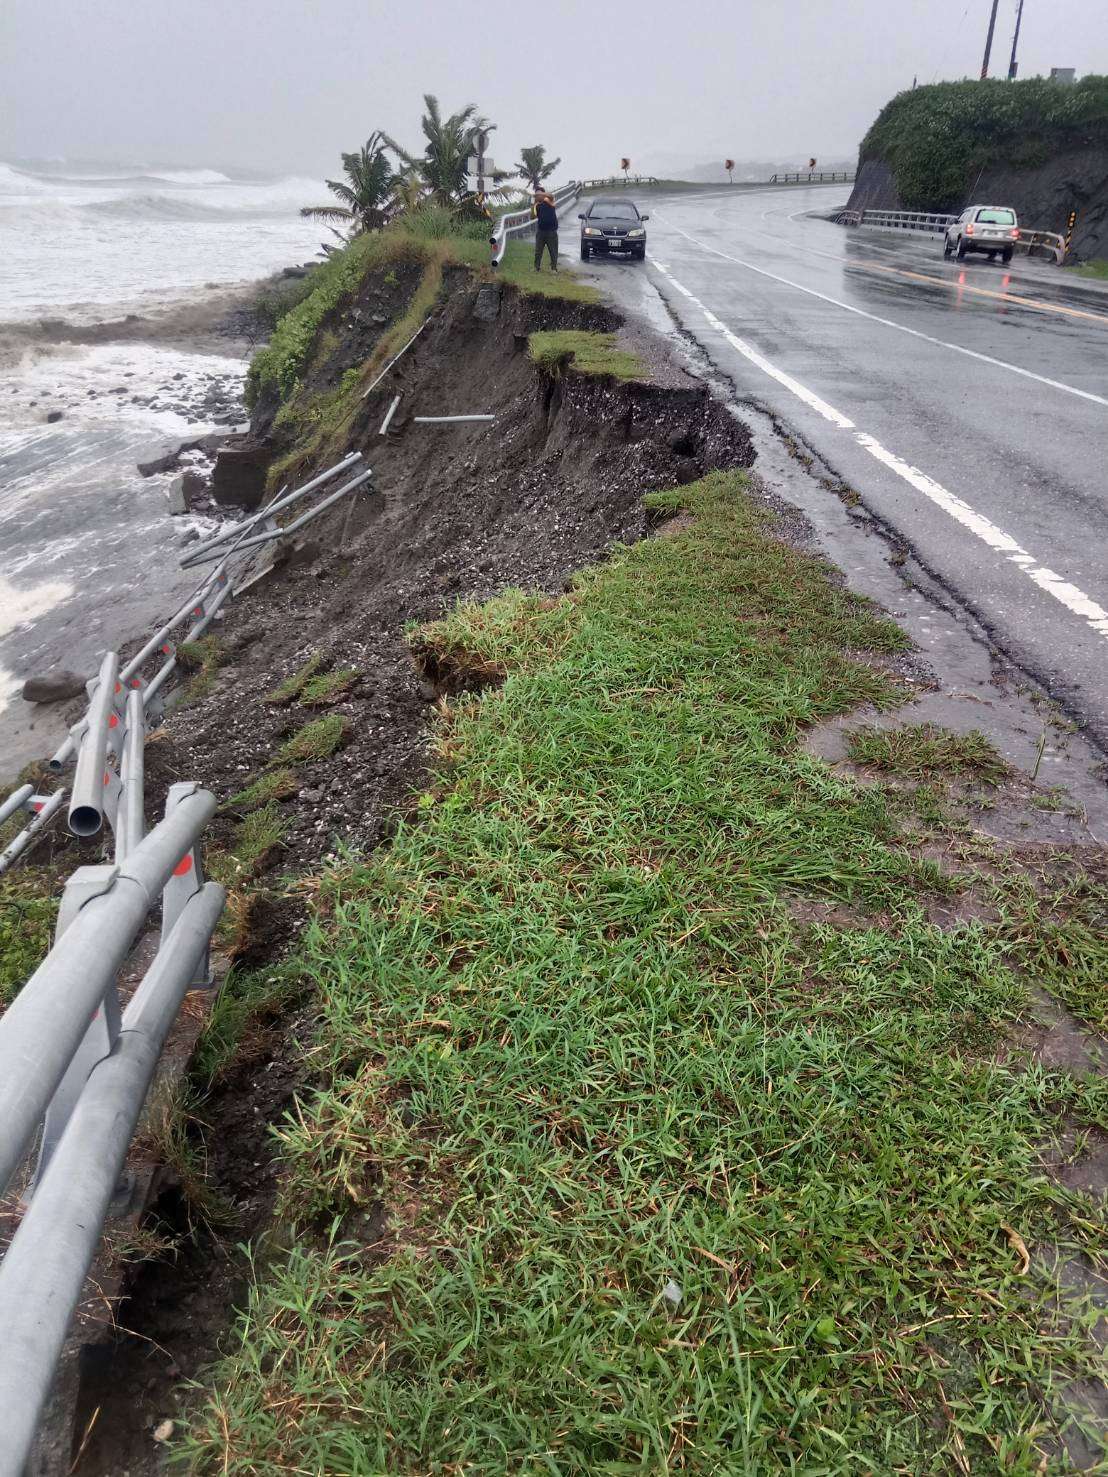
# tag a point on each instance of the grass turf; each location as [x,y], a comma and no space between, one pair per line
[316,740]
[1097,268]
[590,353]
[674,1181]
[925,752]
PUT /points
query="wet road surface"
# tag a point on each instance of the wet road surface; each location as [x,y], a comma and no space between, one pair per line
[965,402]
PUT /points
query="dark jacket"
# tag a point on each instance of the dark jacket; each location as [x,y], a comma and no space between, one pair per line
[546,217]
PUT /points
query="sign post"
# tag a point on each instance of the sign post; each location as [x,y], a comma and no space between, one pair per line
[1071,221]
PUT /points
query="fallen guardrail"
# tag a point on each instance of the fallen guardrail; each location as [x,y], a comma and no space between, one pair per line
[76,1063]
[106,689]
[932,223]
[73,1060]
[520,222]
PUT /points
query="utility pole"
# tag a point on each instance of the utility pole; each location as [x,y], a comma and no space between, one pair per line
[989,41]
[1013,65]
[482,145]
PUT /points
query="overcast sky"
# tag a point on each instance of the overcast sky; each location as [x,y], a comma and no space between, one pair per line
[286,84]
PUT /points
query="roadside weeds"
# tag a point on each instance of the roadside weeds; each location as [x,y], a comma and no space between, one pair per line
[618,1156]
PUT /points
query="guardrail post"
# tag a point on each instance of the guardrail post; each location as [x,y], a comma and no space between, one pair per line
[85,884]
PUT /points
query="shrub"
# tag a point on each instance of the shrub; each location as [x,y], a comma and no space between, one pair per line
[934,137]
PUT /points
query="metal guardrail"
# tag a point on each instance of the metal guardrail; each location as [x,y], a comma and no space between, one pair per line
[520,222]
[814,177]
[924,222]
[620,181]
[73,1060]
[930,223]
[1050,243]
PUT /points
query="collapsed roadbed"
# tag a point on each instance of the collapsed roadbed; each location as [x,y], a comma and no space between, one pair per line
[603,1076]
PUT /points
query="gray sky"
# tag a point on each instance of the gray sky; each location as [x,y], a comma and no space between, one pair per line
[286,84]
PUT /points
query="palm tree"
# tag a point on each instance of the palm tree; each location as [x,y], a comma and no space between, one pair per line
[532,165]
[367,195]
[450,141]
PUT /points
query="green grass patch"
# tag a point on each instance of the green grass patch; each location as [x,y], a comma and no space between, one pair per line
[257,837]
[573,1036]
[1056,925]
[28,911]
[1098,269]
[274,784]
[517,268]
[202,660]
[589,353]
[280,364]
[291,688]
[248,1001]
[315,741]
[926,752]
[328,688]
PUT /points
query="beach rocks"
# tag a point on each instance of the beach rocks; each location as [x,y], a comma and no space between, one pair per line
[157,464]
[185,490]
[238,477]
[53,687]
[167,461]
[52,416]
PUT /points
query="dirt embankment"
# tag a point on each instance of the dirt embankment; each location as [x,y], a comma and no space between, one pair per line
[453,513]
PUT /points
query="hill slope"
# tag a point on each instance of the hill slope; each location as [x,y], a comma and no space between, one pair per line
[1038,145]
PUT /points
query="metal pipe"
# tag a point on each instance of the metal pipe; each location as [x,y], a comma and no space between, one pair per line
[388,418]
[15,801]
[399,354]
[45,1265]
[86,813]
[17,847]
[436,420]
[41,1029]
[166,670]
[61,757]
[306,518]
[271,508]
[131,821]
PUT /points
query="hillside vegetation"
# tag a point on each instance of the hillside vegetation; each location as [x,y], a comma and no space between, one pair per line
[935,139]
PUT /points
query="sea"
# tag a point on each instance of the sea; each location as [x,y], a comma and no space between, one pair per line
[121,334]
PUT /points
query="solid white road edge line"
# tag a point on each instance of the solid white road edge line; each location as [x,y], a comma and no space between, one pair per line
[1075,600]
[927,338]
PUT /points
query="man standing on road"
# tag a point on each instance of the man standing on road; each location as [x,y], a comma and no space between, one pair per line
[546,229]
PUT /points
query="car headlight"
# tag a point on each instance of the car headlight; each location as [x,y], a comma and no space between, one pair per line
[639,232]
[592,231]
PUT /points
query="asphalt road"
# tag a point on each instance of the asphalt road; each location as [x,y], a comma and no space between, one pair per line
[965,402]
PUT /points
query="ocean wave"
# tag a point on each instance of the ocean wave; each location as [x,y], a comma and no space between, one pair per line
[191,176]
[18,182]
[164,205]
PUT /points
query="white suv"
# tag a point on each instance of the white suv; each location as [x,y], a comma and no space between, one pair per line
[992,229]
